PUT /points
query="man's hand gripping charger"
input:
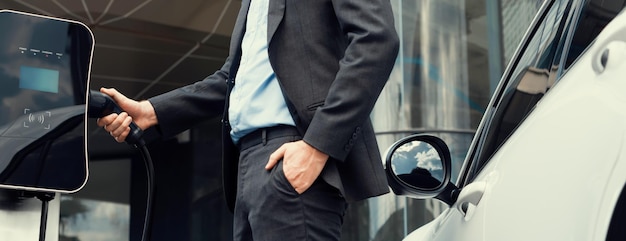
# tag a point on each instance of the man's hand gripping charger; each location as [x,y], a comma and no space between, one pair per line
[101,105]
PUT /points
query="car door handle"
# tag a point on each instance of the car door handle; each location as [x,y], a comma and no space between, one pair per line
[470,194]
[613,32]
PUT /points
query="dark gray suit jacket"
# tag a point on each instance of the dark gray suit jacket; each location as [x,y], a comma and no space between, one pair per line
[332,59]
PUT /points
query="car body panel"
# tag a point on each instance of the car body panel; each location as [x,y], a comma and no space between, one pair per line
[560,173]
[552,166]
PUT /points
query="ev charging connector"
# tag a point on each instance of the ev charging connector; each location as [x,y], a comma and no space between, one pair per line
[100,105]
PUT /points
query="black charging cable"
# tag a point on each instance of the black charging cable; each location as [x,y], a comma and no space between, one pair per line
[147,224]
[100,105]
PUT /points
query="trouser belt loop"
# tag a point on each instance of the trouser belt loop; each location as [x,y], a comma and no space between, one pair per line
[264,136]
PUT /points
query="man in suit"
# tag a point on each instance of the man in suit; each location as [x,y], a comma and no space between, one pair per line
[295,96]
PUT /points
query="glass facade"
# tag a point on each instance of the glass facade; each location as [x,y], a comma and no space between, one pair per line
[432,89]
[440,85]
[516,17]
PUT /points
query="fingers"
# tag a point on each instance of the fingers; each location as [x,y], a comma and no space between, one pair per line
[116,125]
[122,137]
[275,157]
[302,164]
[106,120]
[122,128]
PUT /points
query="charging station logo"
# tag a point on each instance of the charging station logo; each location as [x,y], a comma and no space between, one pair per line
[37,119]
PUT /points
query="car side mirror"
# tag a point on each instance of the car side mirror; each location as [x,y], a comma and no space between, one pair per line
[419,166]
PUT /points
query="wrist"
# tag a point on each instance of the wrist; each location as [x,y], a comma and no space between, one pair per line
[321,156]
[148,114]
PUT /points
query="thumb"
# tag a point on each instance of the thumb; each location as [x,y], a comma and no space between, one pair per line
[115,95]
[122,101]
[275,157]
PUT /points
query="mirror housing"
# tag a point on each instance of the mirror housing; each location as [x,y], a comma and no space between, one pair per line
[419,166]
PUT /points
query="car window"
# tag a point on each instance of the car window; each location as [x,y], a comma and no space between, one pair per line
[563,31]
[594,17]
[531,74]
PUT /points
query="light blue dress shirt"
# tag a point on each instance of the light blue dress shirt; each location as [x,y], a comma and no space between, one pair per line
[256,100]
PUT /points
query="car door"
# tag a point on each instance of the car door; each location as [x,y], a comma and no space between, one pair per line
[545,53]
[551,178]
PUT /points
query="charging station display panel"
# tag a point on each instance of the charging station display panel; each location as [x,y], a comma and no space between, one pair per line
[44,77]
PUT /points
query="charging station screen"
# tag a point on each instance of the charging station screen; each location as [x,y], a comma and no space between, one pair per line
[40,79]
[44,68]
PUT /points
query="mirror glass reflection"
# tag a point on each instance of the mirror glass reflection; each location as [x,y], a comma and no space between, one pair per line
[418,164]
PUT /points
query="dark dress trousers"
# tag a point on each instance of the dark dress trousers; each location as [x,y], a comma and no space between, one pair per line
[332,59]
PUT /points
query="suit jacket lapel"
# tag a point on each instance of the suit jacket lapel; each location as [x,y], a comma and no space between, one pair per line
[275,16]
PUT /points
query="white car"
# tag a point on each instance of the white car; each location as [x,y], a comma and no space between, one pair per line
[548,161]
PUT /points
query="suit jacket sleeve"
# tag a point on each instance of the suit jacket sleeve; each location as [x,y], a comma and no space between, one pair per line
[181,108]
[363,71]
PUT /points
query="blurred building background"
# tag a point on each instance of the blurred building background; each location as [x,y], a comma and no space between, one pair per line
[451,58]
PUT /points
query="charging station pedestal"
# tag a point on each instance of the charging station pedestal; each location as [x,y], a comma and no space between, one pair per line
[19,219]
[45,65]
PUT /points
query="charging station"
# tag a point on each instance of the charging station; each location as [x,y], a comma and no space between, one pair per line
[44,81]
[45,103]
